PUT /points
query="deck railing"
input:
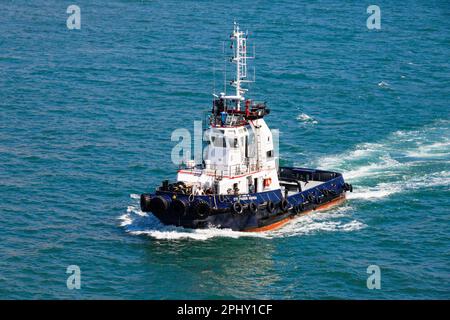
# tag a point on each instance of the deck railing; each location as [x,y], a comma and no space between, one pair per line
[220,171]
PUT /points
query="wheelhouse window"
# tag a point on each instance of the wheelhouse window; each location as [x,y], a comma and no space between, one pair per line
[218,141]
[233,142]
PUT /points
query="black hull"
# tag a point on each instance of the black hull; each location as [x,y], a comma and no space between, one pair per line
[246,221]
[254,212]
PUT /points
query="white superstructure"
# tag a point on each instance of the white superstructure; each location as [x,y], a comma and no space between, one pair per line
[239,156]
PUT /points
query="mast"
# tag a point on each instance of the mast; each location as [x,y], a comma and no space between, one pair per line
[240,59]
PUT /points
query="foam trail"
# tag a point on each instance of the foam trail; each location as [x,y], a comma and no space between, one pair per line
[374,192]
[334,220]
[125,220]
[384,165]
[400,163]
[434,150]
[439,179]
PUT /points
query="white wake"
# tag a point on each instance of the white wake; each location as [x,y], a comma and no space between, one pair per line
[400,163]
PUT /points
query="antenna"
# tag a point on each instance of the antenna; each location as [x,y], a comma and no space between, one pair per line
[214,78]
[225,77]
[254,67]
[240,58]
[239,47]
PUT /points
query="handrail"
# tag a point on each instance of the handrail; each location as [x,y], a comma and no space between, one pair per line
[214,170]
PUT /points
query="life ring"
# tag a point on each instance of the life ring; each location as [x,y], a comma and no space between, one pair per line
[270,206]
[284,204]
[267,182]
[253,207]
[201,209]
[238,208]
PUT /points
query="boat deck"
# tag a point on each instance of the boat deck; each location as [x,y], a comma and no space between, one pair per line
[304,186]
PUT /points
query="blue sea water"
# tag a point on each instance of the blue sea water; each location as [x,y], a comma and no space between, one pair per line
[86,118]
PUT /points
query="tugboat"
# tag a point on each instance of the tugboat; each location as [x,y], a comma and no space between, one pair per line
[239,185]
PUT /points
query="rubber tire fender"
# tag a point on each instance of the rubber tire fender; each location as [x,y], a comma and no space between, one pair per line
[270,207]
[284,204]
[238,208]
[158,205]
[145,202]
[201,209]
[179,207]
[298,208]
[253,207]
